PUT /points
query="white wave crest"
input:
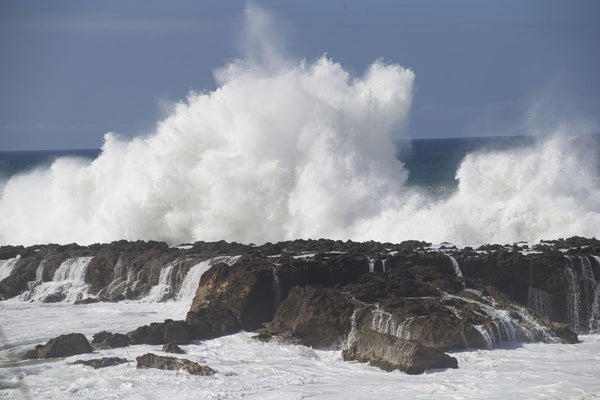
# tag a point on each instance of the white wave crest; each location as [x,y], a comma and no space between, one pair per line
[547,190]
[300,152]
[290,151]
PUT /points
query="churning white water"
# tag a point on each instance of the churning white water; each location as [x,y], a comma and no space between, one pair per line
[248,368]
[283,150]
[67,284]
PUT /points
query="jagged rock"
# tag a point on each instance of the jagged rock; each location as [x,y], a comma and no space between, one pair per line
[61,346]
[316,292]
[172,348]
[231,298]
[108,340]
[150,360]
[102,362]
[312,316]
[247,294]
[390,352]
[170,331]
[128,270]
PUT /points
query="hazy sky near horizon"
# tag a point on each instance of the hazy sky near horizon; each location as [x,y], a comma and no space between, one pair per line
[70,71]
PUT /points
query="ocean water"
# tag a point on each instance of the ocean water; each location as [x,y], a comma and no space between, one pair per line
[287,149]
[461,190]
[431,163]
[248,368]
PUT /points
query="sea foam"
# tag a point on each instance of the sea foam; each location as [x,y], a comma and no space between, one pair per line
[283,150]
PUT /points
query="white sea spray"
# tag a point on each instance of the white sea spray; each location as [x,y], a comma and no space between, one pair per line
[283,150]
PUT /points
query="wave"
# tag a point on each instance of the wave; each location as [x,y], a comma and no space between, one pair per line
[297,151]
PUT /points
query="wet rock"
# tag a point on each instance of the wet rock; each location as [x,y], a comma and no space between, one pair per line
[170,331]
[108,340]
[564,332]
[101,362]
[313,316]
[61,346]
[390,352]
[232,298]
[246,295]
[87,300]
[172,348]
[150,360]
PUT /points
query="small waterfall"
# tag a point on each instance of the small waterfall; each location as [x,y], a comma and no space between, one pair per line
[39,276]
[276,290]
[39,272]
[582,298]
[383,265]
[384,322]
[352,335]
[121,281]
[464,341]
[457,270]
[7,266]
[489,342]
[164,286]
[192,280]
[539,301]
[403,330]
[595,312]
[507,326]
[371,265]
[67,285]
[381,321]
[573,296]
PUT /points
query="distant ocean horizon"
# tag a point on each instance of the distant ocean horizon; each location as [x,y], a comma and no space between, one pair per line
[466,191]
[431,162]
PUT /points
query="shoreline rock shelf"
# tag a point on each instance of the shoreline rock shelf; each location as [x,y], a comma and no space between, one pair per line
[397,306]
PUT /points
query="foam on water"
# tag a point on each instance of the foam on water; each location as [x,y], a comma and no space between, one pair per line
[248,368]
[283,150]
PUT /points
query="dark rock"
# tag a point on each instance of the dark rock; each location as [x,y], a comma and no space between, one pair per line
[54,298]
[172,348]
[61,346]
[87,300]
[231,298]
[564,332]
[246,295]
[390,352]
[102,362]
[108,340]
[150,360]
[313,316]
[263,335]
[170,331]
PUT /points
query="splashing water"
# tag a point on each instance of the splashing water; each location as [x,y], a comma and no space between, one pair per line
[7,266]
[67,285]
[284,150]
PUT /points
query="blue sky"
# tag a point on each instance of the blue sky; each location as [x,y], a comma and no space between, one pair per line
[72,70]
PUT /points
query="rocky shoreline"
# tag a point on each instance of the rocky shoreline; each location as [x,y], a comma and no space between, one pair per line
[397,306]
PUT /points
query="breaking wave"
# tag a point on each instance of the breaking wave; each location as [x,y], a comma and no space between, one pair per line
[297,151]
